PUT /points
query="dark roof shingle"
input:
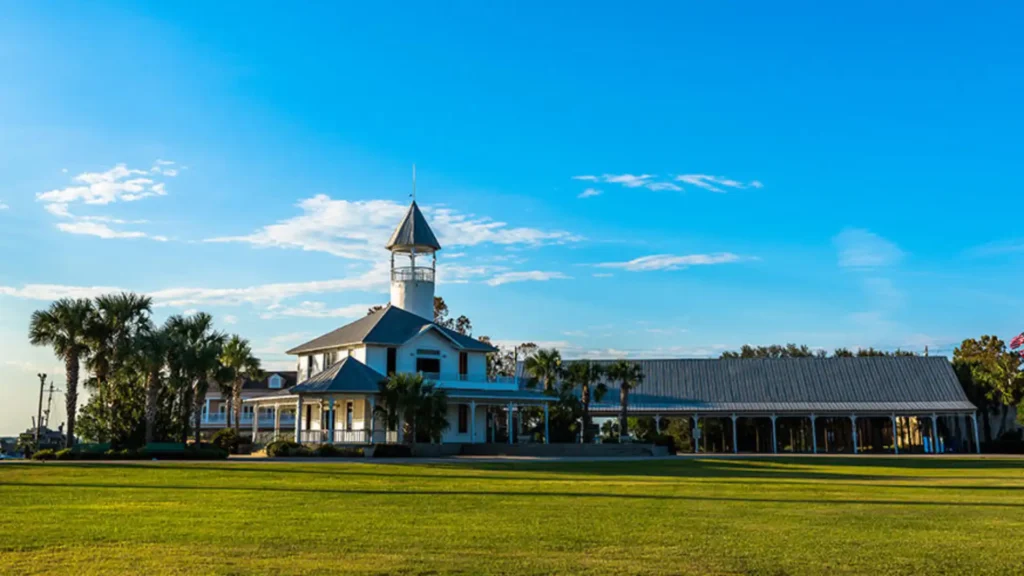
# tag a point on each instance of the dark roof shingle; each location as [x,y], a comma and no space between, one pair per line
[413,233]
[390,326]
[805,385]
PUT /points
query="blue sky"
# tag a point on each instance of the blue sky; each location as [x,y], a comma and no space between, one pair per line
[820,174]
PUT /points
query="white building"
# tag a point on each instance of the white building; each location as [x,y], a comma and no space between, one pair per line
[339,373]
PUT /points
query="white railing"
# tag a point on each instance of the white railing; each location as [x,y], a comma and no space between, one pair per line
[474,378]
[265,419]
[344,436]
[408,273]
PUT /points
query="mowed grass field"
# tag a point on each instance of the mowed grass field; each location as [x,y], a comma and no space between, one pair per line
[691,516]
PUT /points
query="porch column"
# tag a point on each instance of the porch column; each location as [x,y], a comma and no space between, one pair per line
[330,420]
[895,435]
[208,411]
[853,427]
[775,444]
[696,433]
[814,435]
[277,420]
[935,435]
[472,421]
[657,423]
[546,429]
[372,416]
[509,422]
[974,423]
[735,444]
[255,421]
[298,419]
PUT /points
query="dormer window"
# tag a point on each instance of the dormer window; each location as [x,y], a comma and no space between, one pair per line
[275,381]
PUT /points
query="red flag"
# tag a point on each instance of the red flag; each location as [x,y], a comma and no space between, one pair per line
[1017,342]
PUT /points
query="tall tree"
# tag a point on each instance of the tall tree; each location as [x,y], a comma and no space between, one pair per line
[407,400]
[629,375]
[238,359]
[115,323]
[990,375]
[544,366]
[586,376]
[194,359]
[152,346]
[63,328]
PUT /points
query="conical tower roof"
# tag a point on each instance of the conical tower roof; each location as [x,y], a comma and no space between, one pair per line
[413,233]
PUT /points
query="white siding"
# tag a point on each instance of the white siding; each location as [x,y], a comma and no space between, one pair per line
[451,435]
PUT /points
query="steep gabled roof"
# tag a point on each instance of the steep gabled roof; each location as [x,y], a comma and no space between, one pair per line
[796,385]
[389,326]
[288,378]
[346,375]
[413,233]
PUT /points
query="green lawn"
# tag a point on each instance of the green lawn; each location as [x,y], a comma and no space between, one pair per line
[749,516]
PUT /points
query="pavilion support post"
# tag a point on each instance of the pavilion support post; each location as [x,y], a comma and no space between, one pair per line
[298,419]
[657,423]
[510,429]
[935,434]
[735,442]
[547,429]
[696,434]
[974,424]
[472,421]
[853,427]
[814,435]
[895,436]
[277,421]
[775,444]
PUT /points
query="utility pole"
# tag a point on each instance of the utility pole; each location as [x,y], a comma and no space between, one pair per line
[49,404]
[39,411]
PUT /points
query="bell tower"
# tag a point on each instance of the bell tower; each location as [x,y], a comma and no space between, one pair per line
[413,248]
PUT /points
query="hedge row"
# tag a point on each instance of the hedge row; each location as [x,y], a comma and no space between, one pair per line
[160,453]
[290,449]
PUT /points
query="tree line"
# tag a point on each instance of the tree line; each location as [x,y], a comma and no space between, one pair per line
[148,382]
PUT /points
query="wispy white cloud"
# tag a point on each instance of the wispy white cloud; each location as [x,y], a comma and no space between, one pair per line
[278,344]
[859,248]
[589,193]
[118,184]
[373,280]
[651,181]
[359,229]
[91,228]
[230,319]
[3,206]
[602,275]
[310,309]
[532,275]
[672,262]
[716,183]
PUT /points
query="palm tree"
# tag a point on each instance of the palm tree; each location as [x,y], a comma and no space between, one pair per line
[238,359]
[63,327]
[587,376]
[629,375]
[115,322]
[152,346]
[544,366]
[408,399]
[194,362]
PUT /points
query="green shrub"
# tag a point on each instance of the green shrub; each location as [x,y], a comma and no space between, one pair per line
[45,454]
[666,440]
[332,451]
[392,451]
[65,454]
[226,439]
[282,449]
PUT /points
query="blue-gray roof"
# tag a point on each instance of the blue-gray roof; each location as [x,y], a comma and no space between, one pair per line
[389,326]
[903,384]
[346,375]
[413,233]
